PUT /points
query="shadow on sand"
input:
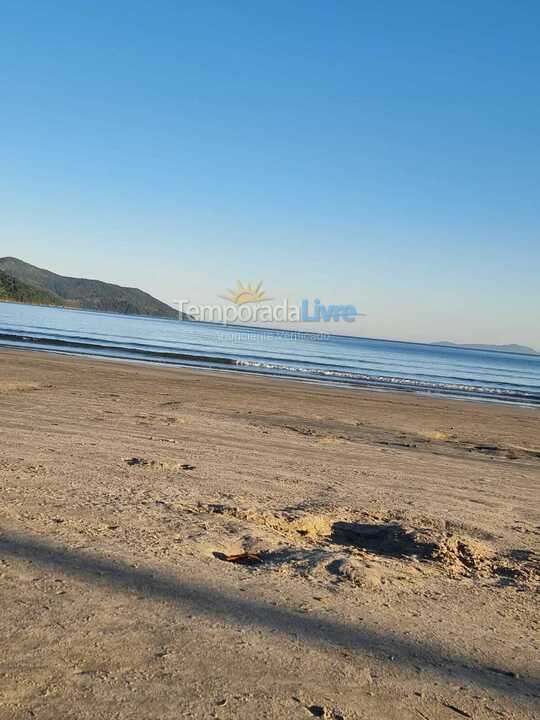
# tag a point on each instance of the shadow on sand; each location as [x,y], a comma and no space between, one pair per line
[193,597]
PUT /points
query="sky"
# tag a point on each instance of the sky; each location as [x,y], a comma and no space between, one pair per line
[382,154]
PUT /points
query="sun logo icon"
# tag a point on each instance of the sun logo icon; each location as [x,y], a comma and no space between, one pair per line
[244,294]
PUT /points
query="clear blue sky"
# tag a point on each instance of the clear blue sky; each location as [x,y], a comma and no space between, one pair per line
[385,154]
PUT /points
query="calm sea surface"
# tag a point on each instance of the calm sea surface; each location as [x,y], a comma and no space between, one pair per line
[479,374]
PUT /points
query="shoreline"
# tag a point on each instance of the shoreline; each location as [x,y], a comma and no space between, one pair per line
[240,366]
[304,388]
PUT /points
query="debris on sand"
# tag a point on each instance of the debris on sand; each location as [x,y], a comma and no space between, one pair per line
[135,461]
[243,558]
[163,465]
[457,710]
[324,712]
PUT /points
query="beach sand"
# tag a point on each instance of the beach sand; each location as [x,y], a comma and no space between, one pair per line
[188,544]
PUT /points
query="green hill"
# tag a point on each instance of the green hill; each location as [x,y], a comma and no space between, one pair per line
[26,283]
[13,289]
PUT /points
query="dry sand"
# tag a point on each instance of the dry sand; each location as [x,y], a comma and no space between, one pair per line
[391,548]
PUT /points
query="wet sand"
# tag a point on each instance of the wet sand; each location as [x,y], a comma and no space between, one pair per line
[386,548]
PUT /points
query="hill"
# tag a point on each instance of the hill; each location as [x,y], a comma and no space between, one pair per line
[518,349]
[13,289]
[26,283]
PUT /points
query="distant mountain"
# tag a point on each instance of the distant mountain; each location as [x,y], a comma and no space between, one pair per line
[22,282]
[519,349]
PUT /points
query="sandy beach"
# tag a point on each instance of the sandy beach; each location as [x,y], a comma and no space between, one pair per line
[188,544]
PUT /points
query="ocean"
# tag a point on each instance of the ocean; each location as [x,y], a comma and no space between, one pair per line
[362,362]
